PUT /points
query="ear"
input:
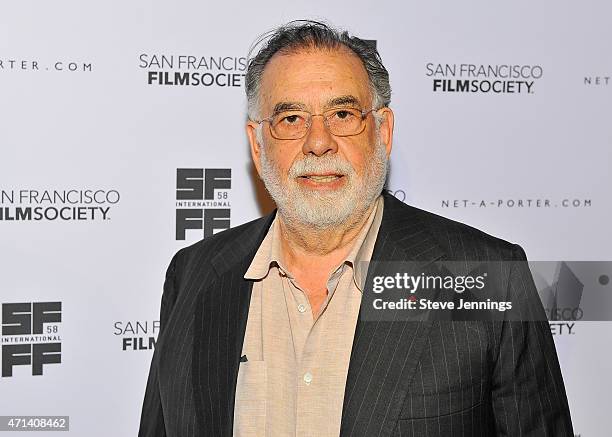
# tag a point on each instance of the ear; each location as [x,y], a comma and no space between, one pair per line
[386,128]
[251,130]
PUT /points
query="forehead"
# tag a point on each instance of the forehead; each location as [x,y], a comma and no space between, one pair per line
[312,77]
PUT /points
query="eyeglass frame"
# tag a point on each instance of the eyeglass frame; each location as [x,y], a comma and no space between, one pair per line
[364,114]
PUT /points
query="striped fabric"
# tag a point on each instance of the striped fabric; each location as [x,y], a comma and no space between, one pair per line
[405,378]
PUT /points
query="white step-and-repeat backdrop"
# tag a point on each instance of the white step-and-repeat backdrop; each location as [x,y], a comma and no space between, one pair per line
[109,108]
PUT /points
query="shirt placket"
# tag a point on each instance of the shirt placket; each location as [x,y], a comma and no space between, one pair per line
[307,333]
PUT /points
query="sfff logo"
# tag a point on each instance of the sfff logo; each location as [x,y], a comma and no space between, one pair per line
[202,200]
[31,331]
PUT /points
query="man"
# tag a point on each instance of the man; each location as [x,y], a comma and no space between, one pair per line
[262,327]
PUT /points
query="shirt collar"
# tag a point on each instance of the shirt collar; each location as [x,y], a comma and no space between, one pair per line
[269,252]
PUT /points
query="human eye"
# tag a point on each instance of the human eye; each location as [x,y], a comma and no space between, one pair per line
[343,114]
[289,118]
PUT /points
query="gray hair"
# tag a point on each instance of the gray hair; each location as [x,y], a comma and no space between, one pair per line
[300,34]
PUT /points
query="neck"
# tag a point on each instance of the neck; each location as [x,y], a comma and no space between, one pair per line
[305,247]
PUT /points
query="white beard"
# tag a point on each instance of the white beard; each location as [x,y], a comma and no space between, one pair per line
[303,207]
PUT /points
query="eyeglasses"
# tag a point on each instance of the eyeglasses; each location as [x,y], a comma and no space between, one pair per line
[295,124]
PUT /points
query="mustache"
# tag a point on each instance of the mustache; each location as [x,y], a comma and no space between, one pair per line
[320,165]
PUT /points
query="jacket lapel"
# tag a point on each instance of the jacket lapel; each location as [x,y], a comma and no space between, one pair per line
[385,354]
[220,322]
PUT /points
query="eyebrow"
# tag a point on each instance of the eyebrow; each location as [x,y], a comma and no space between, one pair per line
[346,100]
[288,106]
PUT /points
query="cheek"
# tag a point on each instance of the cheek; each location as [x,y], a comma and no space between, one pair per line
[358,155]
[282,161]
[360,164]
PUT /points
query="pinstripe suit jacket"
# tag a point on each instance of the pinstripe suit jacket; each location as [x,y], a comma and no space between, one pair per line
[429,378]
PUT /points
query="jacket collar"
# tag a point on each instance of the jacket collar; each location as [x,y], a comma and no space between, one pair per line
[402,236]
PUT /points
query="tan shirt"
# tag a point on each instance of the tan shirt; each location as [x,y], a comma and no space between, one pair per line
[293,381]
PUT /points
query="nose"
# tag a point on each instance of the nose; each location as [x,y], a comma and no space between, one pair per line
[318,140]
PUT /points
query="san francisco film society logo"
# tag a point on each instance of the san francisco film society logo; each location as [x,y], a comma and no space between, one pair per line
[202,200]
[190,70]
[137,335]
[57,205]
[30,336]
[481,78]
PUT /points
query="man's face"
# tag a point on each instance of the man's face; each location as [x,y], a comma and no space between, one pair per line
[320,180]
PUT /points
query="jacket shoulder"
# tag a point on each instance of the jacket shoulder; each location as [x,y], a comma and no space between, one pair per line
[210,246]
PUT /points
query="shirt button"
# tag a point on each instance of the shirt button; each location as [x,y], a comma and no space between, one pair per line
[301,308]
[307,377]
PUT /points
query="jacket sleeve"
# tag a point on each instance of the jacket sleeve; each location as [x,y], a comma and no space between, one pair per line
[152,417]
[528,394]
